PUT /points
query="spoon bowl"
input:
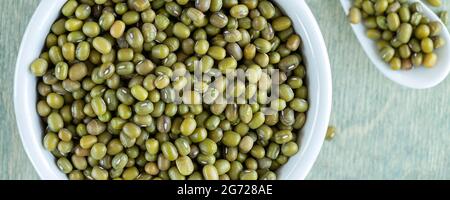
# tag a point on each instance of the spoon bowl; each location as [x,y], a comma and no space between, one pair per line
[418,77]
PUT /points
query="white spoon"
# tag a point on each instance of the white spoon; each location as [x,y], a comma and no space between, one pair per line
[417,78]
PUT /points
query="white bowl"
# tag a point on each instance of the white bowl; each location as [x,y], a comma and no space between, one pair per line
[318,72]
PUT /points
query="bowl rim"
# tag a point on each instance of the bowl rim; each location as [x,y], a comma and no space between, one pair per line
[40,16]
[37,154]
[317,61]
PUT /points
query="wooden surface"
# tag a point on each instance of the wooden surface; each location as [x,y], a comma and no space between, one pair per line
[385,131]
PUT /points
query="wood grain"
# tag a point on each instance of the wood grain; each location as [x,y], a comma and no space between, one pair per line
[385,131]
[14,16]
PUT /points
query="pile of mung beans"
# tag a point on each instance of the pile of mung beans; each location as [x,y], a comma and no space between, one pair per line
[106,82]
[405,37]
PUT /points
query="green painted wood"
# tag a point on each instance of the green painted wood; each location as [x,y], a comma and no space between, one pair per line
[14,17]
[385,131]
